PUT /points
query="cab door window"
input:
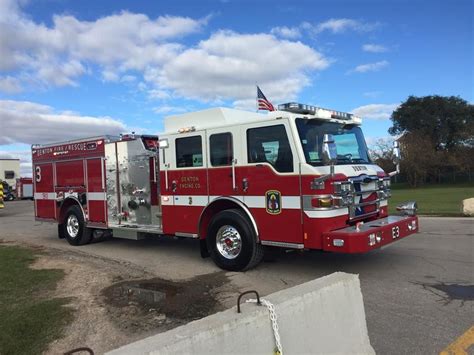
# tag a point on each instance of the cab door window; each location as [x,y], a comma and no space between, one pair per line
[189,152]
[270,145]
[221,149]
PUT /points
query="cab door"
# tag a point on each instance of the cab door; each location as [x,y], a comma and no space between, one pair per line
[187,183]
[223,160]
[270,182]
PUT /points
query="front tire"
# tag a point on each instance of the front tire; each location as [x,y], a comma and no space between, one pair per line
[232,241]
[74,227]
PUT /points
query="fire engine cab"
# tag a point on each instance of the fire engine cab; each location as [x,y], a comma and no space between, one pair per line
[299,177]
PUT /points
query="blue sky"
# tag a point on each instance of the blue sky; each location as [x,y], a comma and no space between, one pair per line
[76,68]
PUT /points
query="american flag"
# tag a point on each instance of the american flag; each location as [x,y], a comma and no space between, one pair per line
[263,103]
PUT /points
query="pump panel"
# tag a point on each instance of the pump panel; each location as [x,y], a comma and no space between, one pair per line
[129,185]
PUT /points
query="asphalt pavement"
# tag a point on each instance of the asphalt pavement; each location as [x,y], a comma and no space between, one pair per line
[418,293]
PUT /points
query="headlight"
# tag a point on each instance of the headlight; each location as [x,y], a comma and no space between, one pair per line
[343,187]
[330,201]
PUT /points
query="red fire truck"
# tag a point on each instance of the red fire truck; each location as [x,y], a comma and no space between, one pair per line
[24,188]
[299,177]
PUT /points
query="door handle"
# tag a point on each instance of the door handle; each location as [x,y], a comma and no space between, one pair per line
[245,184]
[234,187]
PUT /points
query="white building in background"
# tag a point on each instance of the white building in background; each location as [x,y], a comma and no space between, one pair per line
[10,171]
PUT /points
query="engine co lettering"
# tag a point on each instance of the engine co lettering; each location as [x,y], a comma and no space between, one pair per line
[189,182]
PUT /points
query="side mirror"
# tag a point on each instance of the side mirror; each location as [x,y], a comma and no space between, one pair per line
[396,152]
[329,156]
[329,150]
[163,143]
[396,158]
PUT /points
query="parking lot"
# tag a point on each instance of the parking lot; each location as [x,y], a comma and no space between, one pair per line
[414,291]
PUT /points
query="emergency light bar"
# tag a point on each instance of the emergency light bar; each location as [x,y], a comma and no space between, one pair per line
[295,107]
[298,108]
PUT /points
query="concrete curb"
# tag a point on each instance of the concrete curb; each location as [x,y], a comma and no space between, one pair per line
[322,316]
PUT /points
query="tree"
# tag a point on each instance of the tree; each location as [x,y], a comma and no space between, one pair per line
[381,153]
[419,158]
[448,121]
[437,137]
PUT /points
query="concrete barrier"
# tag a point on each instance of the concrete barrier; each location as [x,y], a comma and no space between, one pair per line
[468,207]
[323,316]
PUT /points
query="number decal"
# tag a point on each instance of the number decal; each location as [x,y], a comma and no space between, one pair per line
[38,174]
[395,232]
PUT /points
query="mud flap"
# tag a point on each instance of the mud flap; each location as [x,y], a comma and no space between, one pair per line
[204,251]
[60,232]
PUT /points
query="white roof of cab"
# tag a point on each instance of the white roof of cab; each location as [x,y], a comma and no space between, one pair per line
[213,117]
[222,116]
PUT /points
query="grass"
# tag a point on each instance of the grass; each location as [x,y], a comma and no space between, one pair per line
[439,200]
[28,320]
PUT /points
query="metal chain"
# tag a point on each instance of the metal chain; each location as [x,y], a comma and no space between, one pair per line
[273,318]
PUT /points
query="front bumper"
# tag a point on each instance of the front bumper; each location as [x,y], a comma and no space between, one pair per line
[371,235]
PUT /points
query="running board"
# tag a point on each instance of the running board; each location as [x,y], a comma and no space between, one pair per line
[134,232]
[186,235]
[282,244]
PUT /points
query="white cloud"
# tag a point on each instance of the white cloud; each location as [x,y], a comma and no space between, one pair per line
[374,48]
[29,122]
[60,74]
[364,68]
[245,104]
[231,63]
[286,32]
[59,54]
[333,25]
[168,109]
[158,94]
[10,85]
[375,111]
[128,79]
[341,25]
[372,94]
[225,66]
[110,75]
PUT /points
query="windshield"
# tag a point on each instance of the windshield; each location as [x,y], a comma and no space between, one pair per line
[350,143]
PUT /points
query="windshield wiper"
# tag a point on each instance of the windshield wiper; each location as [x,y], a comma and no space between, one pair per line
[360,160]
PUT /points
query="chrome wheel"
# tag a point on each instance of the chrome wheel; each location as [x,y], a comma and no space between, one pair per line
[72,226]
[228,242]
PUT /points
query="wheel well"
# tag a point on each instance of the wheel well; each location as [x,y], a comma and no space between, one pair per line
[218,205]
[65,205]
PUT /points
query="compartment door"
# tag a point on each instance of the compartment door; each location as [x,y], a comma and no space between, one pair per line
[96,198]
[45,197]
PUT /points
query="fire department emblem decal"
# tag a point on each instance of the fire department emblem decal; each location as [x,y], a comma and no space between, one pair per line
[273,202]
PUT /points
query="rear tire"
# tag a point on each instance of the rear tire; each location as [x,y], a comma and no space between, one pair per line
[232,241]
[74,227]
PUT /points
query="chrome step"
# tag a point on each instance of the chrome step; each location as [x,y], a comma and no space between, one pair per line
[135,232]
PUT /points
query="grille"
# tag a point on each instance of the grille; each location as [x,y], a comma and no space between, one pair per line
[366,200]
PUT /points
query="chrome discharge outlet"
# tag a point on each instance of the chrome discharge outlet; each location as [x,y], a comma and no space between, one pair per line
[408,208]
